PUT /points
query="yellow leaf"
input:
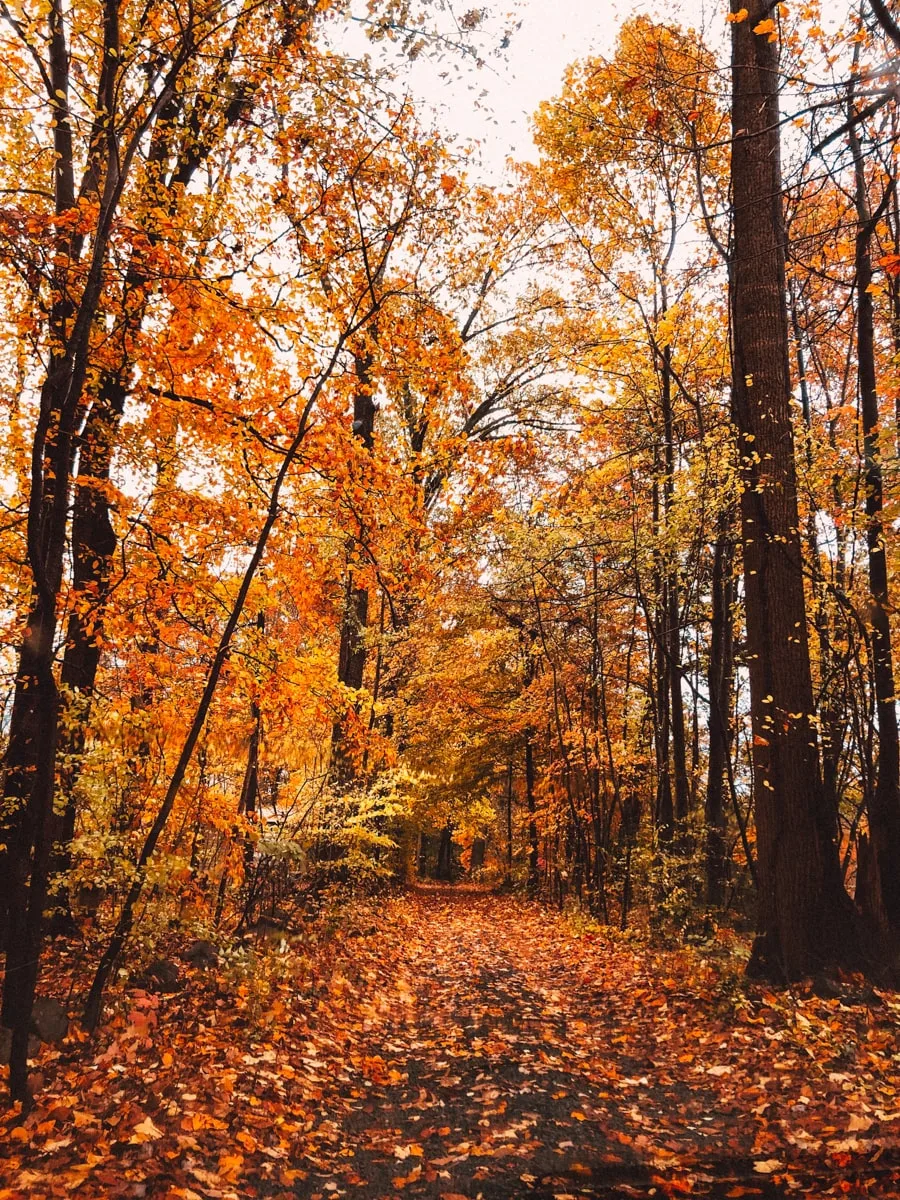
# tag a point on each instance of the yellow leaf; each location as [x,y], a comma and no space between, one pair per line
[147,1131]
[767,1166]
[859,1124]
[736,18]
[767,26]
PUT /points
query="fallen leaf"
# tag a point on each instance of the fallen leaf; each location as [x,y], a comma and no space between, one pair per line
[146,1131]
[766,1166]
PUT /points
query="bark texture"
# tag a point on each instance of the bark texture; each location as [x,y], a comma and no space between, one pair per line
[801,898]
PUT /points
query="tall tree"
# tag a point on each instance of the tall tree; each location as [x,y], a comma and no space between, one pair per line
[87,181]
[802,907]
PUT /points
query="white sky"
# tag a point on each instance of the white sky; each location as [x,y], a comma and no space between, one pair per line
[553,33]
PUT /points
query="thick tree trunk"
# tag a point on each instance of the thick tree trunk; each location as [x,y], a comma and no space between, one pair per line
[30,767]
[801,900]
[831,717]
[884,807]
[93,545]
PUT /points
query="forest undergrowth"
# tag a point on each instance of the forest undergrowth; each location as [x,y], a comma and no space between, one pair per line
[462,1044]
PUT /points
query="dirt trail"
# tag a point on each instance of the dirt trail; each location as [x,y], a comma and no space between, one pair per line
[454,1044]
[501,1054]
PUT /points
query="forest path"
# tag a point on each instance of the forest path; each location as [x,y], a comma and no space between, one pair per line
[497,1052]
[453,1044]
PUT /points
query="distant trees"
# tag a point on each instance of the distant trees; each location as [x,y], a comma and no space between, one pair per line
[639,530]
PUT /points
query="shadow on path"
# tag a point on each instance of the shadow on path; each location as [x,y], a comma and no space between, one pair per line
[501,1055]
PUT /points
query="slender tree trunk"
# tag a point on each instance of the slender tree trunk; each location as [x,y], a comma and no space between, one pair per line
[893,281]
[534,880]
[94,540]
[719,680]
[125,922]
[662,690]
[445,854]
[670,616]
[248,803]
[679,738]
[802,912]
[353,651]
[509,820]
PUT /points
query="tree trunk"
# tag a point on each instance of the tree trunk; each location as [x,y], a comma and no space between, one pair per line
[679,739]
[802,909]
[719,679]
[93,546]
[662,691]
[509,820]
[248,803]
[884,808]
[445,854]
[30,767]
[93,537]
[669,612]
[353,651]
[534,880]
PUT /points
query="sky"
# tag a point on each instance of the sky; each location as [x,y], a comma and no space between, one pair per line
[490,105]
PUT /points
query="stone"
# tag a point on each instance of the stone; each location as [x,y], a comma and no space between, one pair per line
[826,988]
[267,929]
[163,975]
[49,1019]
[201,953]
[34,1045]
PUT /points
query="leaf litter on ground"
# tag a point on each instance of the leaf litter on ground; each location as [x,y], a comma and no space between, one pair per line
[450,1044]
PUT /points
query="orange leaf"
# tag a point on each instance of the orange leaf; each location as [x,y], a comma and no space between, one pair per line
[230,1166]
[767,26]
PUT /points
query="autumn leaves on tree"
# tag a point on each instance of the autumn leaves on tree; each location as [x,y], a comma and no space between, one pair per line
[360,517]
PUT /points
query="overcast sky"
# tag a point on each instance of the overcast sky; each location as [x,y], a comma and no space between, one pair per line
[552,34]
